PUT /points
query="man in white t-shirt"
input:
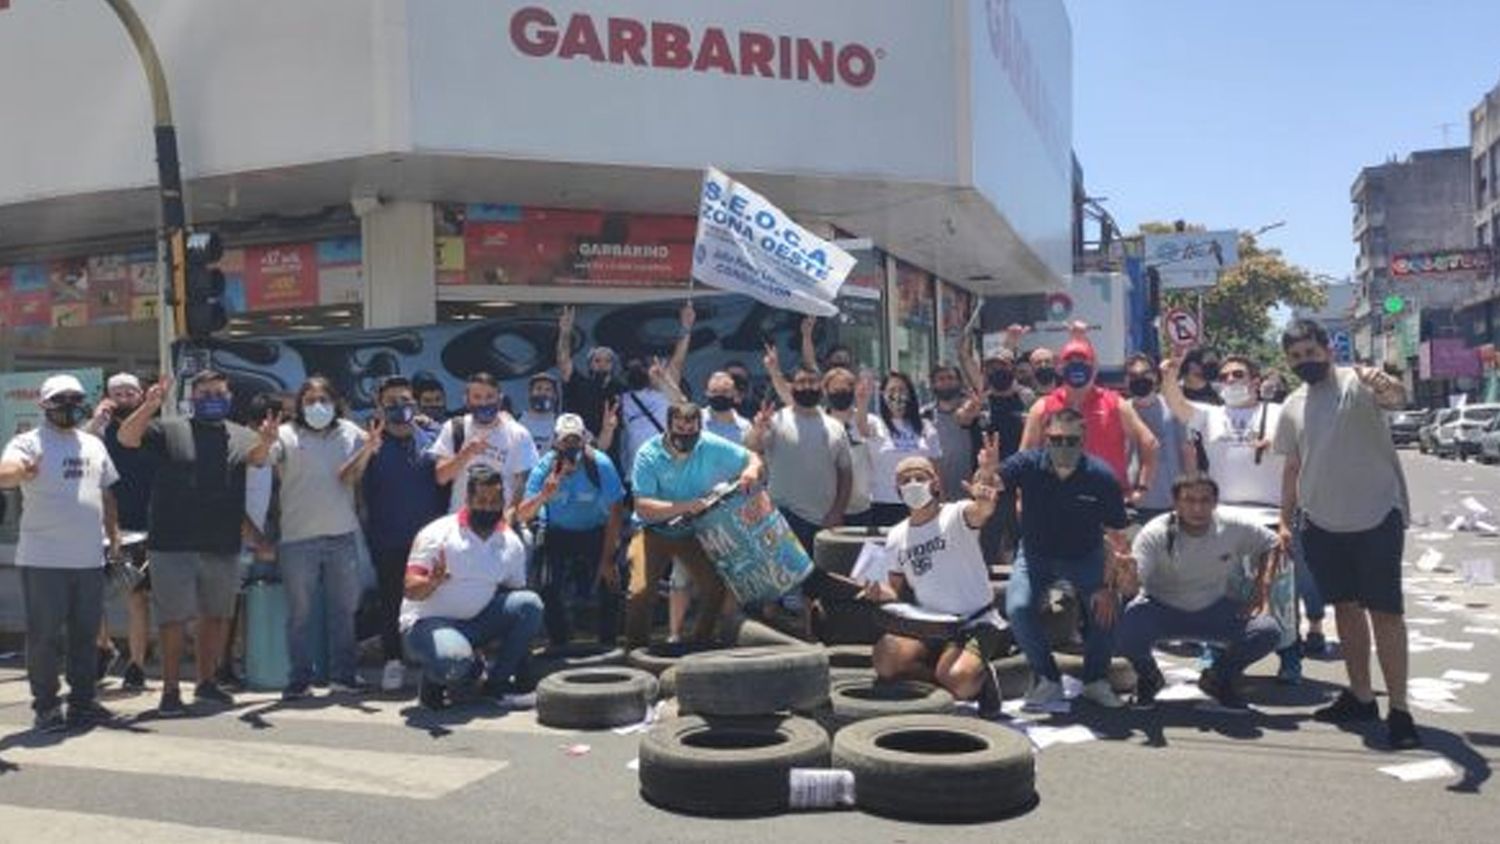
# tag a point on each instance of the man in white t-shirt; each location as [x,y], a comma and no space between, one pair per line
[485,436]
[936,563]
[1187,562]
[1236,440]
[466,591]
[69,513]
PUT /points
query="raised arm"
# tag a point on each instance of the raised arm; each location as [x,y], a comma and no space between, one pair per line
[968,362]
[985,487]
[686,318]
[1171,389]
[1031,435]
[1390,393]
[354,468]
[133,429]
[779,384]
[565,343]
[666,379]
[809,348]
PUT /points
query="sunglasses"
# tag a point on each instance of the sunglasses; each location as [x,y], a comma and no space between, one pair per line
[1233,375]
[1065,440]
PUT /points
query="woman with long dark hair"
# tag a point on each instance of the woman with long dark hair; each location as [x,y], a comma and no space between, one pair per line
[320,457]
[898,431]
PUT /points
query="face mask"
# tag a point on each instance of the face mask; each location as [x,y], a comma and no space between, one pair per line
[435,412]
[807,398]
[946,393]
[401,414]
[483,521]
[484,414]
[684,443]
[66,415]
[840,400]
[636,377]
[896,405]
[1045,377]
[1065,457]
[1142,387]
[1002,379]
[721,404]
[541,404]
[1078,373]
[916,494]
[599,376]
[1311,371]
[1236,394]
[570,454]
[211,408]
[319,415]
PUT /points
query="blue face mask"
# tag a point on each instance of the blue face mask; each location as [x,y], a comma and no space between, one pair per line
[211,408]
[1077,373]
[484,414]
[401,414]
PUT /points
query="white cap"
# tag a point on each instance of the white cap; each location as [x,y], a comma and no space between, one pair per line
[570,425]
[122,379]
[56,385]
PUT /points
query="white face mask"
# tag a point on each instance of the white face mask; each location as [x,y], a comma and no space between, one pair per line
[916,494]
[319,415]
[1237,394]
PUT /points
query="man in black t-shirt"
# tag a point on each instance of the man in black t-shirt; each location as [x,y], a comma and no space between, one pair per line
[197,521]
[1003,414]
[591,394]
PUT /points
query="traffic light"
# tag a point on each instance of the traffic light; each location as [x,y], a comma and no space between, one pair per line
[1153,292]
[199,285]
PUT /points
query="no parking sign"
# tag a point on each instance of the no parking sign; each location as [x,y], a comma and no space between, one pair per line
[1182,328]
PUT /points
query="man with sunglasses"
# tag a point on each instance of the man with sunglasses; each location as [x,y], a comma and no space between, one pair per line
[401,497]
[1070,502]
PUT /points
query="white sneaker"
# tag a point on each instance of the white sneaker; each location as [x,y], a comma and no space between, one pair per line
[518,700]
[393,677]
[1100,694]
[1043,694]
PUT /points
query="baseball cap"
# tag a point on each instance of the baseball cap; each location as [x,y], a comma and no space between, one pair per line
[569,425]
[56,385]
[1077,348]
[122,379]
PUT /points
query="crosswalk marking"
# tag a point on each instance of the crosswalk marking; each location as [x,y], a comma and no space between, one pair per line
[27,824]
[405,775]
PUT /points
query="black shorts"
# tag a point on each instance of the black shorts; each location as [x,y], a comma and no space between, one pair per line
[1363,567]
[984,640]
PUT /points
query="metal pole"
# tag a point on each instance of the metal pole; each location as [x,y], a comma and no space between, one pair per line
[173,217]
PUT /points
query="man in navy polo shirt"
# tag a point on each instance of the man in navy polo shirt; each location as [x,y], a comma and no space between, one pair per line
[401,498]
[1069,501]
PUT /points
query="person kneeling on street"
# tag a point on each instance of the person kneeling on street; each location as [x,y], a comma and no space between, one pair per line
[1185,561]
[935,556]
[465,590]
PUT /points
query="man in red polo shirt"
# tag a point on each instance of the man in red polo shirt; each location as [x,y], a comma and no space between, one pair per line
[1110,423]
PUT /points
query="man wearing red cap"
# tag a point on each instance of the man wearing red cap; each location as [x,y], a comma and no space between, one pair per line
[1110,423]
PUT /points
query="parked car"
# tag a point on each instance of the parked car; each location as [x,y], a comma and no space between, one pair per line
[1459,437]
[1427,434]
[1489,442]
[1406,423]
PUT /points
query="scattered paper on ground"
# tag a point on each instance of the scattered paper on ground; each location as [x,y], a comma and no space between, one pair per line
[1443,707]
[576,749]
[1433,536]
[1429,769]
[634,764]
[1430,693]
[1182,691]
[1426,622]
[1483,631]
[1466,676]
[1429,561]
[1473,506]
[1043,736]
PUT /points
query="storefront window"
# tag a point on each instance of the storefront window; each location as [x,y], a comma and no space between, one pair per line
[916,322]
[955,306]
[860,323]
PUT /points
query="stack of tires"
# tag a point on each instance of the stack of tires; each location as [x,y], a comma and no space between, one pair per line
[835,550]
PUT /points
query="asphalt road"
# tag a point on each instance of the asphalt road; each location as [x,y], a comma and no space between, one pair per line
[378,770]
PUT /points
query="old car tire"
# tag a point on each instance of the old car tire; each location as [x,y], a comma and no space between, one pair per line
[594,698]
[836,549]
[858,700]
[727,766]
[1014,674]
[657,658]
[846,623]
[753,681]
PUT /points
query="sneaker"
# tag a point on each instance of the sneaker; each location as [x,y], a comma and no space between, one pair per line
[393,677]
[50,720]
[990,696]
[171,705]
[349,686]
[1148,684]
[1348,709]
[432,695]
[1044,693]
[1401,731]
[1316,644]
[209,690]
[1221,693]
[226,679]
[296,691]
[1290,672]
[88,713]
[1100,693]
[135,678]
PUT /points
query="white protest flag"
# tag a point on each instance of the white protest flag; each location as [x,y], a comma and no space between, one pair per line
[747,245]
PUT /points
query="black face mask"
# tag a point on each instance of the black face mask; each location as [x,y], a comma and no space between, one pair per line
[599,377]
[1002,379]
[1142,387]
[807,398]
[483,521]
[1045,377]
[541,404]
[66,415]
[720,404]
[1311,371]
[636,377]
[841,400]
[946,393]
[683,443]
[435,412]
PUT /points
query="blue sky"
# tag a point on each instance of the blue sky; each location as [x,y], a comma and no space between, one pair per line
[1237,114]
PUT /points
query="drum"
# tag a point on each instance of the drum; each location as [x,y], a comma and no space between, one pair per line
[916,623]
[751,545]
[1281,602]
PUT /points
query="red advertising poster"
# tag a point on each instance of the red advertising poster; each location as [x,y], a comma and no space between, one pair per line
[30,308]
[68,280]
[280,277]
[539,246]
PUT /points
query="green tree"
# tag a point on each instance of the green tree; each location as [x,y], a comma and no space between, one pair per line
[1237,311]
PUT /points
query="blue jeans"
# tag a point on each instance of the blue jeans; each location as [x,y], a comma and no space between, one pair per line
[1146,622]
[449,650]
[331,561]
[1034,575]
